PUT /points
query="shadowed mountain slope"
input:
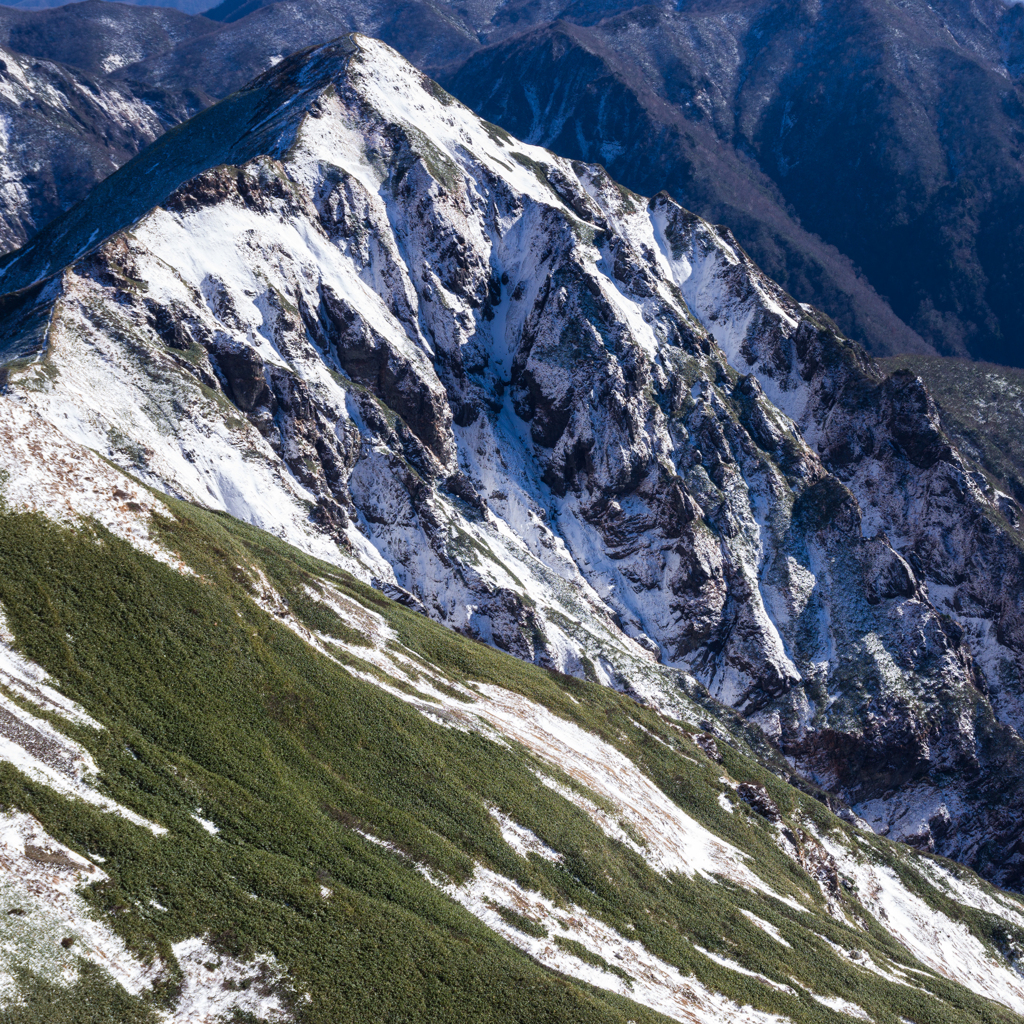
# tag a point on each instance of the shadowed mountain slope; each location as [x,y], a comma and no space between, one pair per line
[61,131]
[891,131]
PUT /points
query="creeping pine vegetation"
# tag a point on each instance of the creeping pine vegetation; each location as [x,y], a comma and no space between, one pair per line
[299,800]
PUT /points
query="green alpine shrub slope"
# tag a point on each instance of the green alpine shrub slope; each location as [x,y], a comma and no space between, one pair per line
[347,806]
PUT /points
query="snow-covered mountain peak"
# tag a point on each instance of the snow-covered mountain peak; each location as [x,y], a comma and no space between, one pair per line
[566,420]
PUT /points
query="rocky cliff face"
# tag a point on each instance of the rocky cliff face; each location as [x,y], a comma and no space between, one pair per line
[926,540]
[981,407]
[566,420]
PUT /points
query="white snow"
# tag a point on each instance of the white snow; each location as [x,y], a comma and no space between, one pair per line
[765,926]
[206,823]
[862,959]
[841,1006]
[945,946]
[40,879]
[28,681]
[33,746]
[521,839]
[971,892]
[215,986]
[673,841]
[655,983]
[731,965]
[48,472]
[908,815]
[38,750]
[676,843]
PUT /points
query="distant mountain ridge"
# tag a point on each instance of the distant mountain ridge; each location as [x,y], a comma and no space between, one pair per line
[888,130]
[62,131]
[185,6]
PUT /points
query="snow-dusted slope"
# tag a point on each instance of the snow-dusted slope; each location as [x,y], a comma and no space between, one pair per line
[612,846]
[556,416]
[61,131]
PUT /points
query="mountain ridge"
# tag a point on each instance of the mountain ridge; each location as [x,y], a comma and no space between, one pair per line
[567,420]
[577,425]
[52,118]
[938,282]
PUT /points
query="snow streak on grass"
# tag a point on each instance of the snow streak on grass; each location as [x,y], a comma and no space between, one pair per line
[615,962]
